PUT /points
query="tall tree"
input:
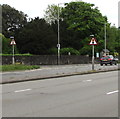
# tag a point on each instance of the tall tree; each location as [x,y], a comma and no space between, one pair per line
[51,13]
[117,41]
[111,38]
[37,37]
[12,20]
[78,20]
[83,17]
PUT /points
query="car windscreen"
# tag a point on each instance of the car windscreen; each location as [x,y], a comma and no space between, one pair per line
[105,57]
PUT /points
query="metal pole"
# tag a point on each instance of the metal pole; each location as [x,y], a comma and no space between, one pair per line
[92,57]
[13,59]
[105,39]
[58,61]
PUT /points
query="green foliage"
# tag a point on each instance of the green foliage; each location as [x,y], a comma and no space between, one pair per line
[53,51]
[6,47]
[37,37]
[117,41]
[66,51]
[51,13]
[86,50]
[83,17]
[27,54]
[17,67]
[111,38]
[12,20]
[78,20]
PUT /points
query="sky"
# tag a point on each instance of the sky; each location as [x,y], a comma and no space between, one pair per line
[36,8]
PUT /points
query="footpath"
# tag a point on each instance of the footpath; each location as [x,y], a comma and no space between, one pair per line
[53,71]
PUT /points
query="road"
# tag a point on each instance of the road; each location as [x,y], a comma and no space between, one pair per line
[91,95]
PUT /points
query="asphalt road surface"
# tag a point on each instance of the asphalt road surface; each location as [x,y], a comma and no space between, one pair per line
[91,95]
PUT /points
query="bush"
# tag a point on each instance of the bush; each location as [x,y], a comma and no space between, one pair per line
[53,51]
[65,51]
[6,47]
[86,50]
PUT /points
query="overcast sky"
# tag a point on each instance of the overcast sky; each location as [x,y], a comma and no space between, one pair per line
[34,8]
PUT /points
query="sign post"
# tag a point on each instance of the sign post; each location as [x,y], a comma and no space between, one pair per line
[58,60]
[13,43]
[93,57]
[93,42]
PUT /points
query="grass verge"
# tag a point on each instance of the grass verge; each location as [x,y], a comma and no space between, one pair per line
[17,67]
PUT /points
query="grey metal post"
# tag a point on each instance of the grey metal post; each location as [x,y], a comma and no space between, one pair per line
[92,57]
[58,61]
[105,39]
[13,49]
[13,59]
[92,54]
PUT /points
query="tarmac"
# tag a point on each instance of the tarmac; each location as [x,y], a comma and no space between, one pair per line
[53,71]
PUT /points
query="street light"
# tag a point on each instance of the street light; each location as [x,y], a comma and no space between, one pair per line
[13,43]
[58,45]
[105,37]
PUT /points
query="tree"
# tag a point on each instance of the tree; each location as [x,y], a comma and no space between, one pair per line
[111,38]
[78,20]
[72,51]
[68,38]
[6,47]
[117,41]
[51,13]
[37,37]
[12,20]
[83,17]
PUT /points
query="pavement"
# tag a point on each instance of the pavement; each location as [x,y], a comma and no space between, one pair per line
[52,71]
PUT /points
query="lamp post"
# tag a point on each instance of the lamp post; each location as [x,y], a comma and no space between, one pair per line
[58,44]
[13,43]
[105,37]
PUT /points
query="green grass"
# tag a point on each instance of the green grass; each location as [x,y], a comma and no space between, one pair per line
[27,54]
[17,67]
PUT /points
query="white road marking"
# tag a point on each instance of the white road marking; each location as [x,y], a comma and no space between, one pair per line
[17,91]
[116,91]
[87,80]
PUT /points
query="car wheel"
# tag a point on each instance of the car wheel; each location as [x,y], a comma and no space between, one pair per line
[111,63]
[101,64]
[106,64]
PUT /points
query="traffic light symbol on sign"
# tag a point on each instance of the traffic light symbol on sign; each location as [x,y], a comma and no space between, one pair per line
[93,41]
[13,42]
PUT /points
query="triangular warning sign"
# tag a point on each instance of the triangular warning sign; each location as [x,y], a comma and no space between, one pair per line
[93,42]
[13,42]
